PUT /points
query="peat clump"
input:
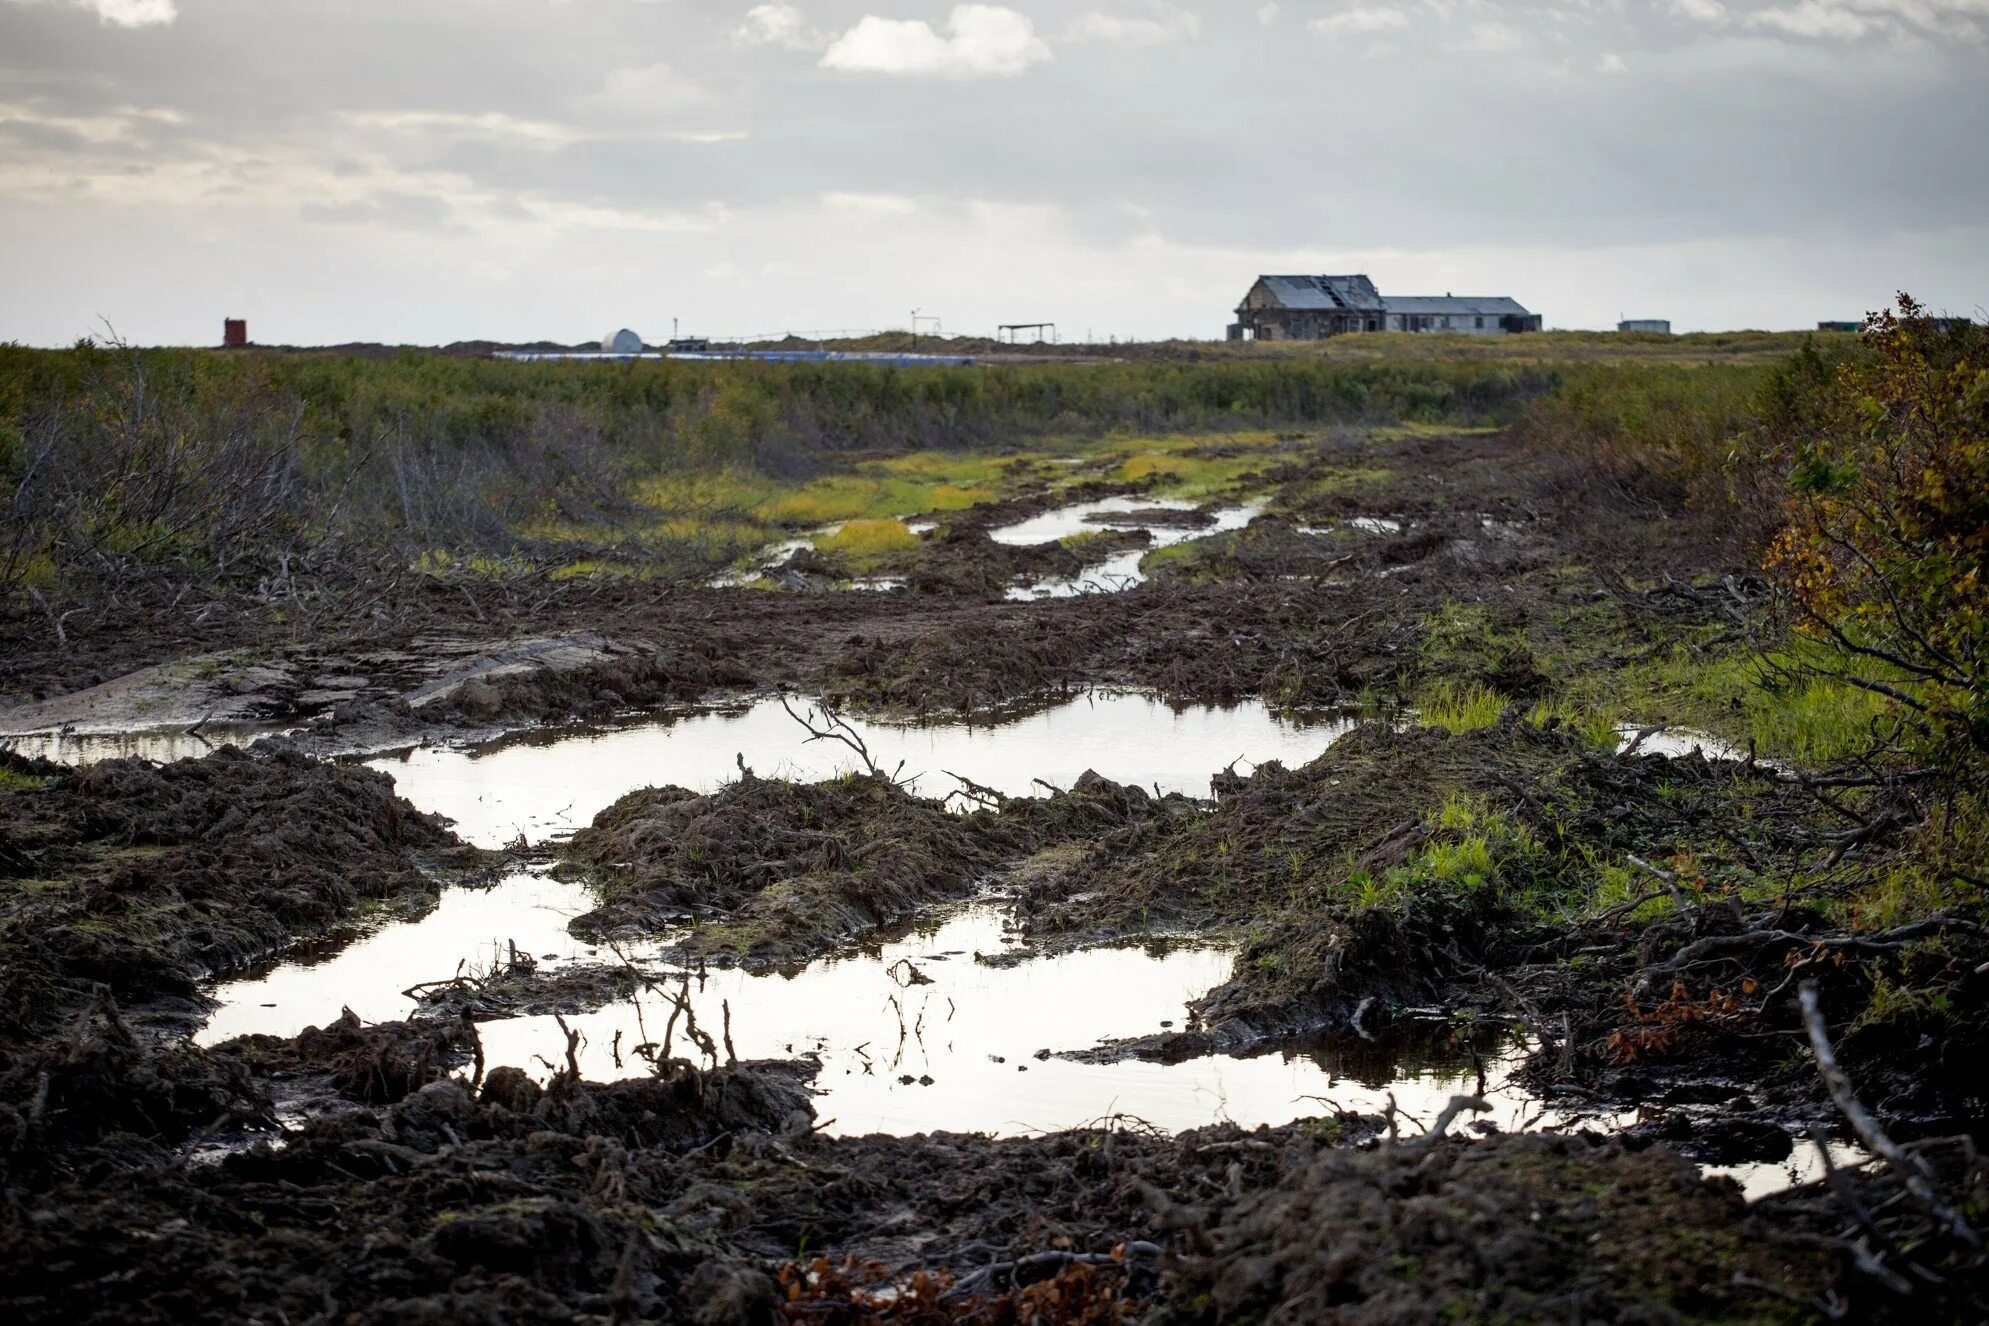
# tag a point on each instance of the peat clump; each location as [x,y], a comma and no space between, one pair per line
[96,1094]
[962,559]
[371,1063]
[776,870]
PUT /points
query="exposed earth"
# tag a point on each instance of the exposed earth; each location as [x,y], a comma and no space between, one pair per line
[1482,848]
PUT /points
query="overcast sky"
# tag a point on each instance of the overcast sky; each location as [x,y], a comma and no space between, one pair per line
[432,170]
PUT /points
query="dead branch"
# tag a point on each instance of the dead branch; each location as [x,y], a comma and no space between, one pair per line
[1457,1106]
[1003,1276]
[1715,946]
[828,725]
[979,793]
[1907,1166]
[1666,877]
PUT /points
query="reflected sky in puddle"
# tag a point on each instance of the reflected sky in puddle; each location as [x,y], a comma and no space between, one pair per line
[1121,571]
[557,783]
[1064,521]
[967,1039]
[1363,524]
[1803,1166]
[1678,743]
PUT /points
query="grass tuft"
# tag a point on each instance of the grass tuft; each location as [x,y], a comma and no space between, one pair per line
[1459,708]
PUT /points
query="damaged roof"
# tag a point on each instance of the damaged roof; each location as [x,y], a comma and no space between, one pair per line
[1324,292]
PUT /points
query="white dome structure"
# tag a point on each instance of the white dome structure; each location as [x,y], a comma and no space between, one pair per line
[623,342]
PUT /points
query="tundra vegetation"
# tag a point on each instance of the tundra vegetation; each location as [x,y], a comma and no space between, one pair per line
[1669,753]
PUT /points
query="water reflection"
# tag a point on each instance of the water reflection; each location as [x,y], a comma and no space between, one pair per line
[1121,571]
[913,1034]
[557,783]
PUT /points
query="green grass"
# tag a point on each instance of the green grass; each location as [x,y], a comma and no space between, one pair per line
[868,538]
[1744,697]
[13,780]
[1459,707]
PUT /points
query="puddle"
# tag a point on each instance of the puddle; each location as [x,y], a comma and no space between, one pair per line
[1363,524]
[1064,521]
[766,559]
[163,745]
[957,1053]
[1804,1166]
[967,1040]
[1122,570]
[556,783]
[1678,743]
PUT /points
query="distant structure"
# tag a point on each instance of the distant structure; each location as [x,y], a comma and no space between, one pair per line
[234,332]
[1310,308]
[1662,326]
[623,342]
[1840,326]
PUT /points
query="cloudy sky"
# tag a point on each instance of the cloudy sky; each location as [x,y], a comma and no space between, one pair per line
[429,170]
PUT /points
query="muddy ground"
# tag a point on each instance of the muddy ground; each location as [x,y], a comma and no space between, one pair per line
[388,1173]
[1311,624]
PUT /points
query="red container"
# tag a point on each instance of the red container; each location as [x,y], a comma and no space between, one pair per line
[234,331]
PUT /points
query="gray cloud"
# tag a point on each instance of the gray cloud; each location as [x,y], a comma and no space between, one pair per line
[1130,161]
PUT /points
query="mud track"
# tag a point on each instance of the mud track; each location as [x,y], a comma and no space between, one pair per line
[388,1173]
[1295,618]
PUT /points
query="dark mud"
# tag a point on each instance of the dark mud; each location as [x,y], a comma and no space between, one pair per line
[958,559]
[778,871]
[147,880]
[702,1195]
[1410,868]
[1483,874]
[1296,623]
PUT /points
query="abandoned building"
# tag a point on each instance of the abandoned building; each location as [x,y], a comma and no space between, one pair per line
[1308,308]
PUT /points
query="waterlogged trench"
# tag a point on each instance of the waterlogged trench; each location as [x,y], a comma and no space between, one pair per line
[553,784]
[967,1045]
[1121,571]
[963,1045]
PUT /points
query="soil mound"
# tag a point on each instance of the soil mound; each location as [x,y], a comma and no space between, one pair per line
[779,870]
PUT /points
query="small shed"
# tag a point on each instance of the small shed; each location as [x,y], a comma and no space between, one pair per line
[623,342]
[1661,326]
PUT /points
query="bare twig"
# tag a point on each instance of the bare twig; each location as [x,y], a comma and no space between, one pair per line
[1907,1166]
[1448,1115]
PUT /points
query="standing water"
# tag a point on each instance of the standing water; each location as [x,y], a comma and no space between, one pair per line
[915,1034]
[553,784]
[1122,570]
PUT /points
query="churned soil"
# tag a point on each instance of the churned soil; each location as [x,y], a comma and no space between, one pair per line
[779,871]
[364,1173]
[704,1195]
[148,879]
